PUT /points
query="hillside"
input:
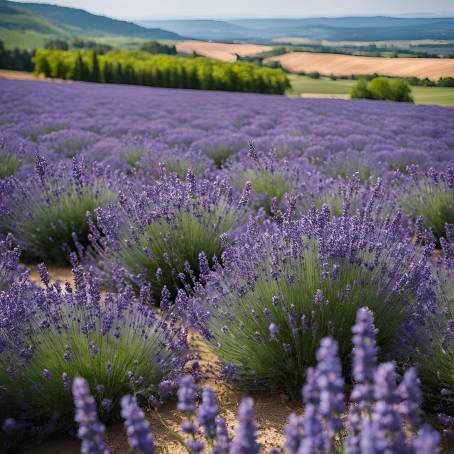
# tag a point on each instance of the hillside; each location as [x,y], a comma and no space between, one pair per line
[337,29]
[31,24]
[202,28]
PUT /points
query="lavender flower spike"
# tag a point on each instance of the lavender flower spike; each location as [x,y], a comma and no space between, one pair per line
[187,394]
[222,443]
[330,383]
[427,441]
[293,434]
[91,431]
[245,441]
[207,413]
[137,427]
[410,393]
[365,346]
[363,368]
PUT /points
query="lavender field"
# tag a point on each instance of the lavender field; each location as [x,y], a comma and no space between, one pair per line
[300,250]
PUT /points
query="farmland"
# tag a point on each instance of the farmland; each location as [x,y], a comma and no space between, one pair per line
[236,237]
[220,51]
[340,88]
[347,65]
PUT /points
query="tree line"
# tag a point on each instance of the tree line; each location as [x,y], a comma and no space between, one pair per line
[16,59]
[143,68]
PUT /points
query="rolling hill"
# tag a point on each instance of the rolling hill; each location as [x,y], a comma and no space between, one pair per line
[31,24]
[336,29]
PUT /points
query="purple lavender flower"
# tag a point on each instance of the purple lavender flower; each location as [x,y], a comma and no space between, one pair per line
[187,394]
[274,331]
[91,431]
[427,441]
[365,347]
[410,394]
[195,446]
[363,368]
[313,440]
[222,441]
[137,427]
[330,385]
[293,433]
[245,441]
[208,412]
[385,416]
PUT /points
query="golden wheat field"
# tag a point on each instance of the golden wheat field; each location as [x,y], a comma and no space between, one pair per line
[220,51]
[347,65]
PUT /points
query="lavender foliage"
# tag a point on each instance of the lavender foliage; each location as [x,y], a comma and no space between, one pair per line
[53,334]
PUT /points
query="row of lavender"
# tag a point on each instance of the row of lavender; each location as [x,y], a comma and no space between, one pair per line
[265,223]
[375,422]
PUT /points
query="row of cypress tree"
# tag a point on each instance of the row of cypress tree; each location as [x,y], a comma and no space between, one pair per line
[142,68]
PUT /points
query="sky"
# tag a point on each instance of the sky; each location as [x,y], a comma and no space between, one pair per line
[148,9]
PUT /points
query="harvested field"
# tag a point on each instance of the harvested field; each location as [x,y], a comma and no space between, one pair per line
[23,75]
[347,65]
[220,51]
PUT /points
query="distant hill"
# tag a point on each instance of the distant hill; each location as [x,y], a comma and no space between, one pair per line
[31,24]
[377,28]
[202,28]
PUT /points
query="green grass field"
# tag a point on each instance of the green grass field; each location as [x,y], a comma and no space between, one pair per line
[327,88]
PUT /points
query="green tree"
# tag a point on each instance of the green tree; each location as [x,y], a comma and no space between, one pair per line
[95,71]
[360,90]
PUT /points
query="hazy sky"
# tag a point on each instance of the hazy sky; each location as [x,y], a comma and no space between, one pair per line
[140,9]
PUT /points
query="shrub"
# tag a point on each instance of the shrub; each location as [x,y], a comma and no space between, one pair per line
[9,262]
[384,89]
[219,154]
[345,165]
[384,416]
[271,178]
[133,155]
[348,197]
[436,357]
[282,290]
[53,335]
[9,164]
[431,196]
[47,213]
[164,235]
[361,90]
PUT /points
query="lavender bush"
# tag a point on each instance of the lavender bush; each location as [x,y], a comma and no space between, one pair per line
[436,356]
[383,416]
[282,290]
[264,292]
[431,196]
[167,234]
[48,212]
[54,334]
[9,262]
[271,178]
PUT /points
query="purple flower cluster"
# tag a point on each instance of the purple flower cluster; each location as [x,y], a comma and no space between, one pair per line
[291,281]
[51,334]
[375,423]
[10,269]
[166,234]
[137,427]
[47,211]
[266,223]
[91,431]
